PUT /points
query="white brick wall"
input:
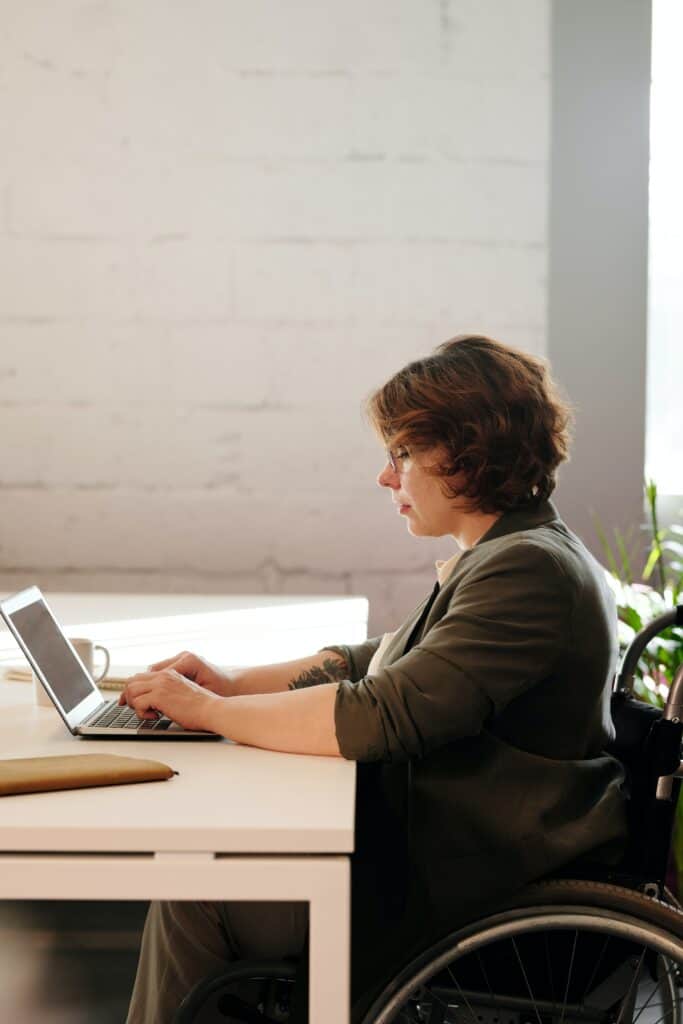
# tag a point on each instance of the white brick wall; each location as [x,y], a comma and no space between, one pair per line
[222,223]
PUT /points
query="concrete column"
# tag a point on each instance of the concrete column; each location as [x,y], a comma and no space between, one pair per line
[598,251]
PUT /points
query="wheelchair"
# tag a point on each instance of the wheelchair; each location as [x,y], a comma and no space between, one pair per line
[604,946]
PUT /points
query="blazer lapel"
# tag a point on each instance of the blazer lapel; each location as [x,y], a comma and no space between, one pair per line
[404,637]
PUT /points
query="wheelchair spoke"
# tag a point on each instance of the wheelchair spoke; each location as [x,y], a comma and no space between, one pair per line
[655,991]
[596,968]
[665,1016]
[463,996]
[430,994]
[569,976]
[482,968]
[626,1002]
[526,980]
[549,967]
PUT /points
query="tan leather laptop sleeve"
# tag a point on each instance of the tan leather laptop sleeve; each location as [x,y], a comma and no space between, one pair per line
[76,771]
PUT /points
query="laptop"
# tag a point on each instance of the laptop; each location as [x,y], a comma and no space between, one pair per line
[67,682]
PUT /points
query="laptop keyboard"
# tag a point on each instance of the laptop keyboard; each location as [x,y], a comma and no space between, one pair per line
[120,716]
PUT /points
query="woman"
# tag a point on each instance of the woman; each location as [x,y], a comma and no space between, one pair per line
[479,724]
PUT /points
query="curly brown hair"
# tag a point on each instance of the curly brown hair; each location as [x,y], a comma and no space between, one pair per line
[495,411]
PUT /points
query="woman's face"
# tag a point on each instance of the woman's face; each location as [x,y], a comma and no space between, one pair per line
[418,495]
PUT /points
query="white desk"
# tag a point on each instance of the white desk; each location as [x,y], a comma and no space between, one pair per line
[235,824]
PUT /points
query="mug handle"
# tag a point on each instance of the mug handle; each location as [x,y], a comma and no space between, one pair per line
[105,652]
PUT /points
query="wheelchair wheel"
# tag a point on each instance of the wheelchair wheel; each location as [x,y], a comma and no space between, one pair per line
[563,952]
[246,992]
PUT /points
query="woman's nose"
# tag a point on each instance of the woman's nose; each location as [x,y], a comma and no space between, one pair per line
[388,477]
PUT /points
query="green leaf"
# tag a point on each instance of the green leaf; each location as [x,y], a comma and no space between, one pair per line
[626,569]
[607,548]
[631,617]
[645,689]
[652,560]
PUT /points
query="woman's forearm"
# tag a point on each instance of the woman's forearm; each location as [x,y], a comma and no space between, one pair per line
[297,721]
[321,668]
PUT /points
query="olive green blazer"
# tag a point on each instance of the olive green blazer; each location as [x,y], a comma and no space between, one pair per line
[488,734]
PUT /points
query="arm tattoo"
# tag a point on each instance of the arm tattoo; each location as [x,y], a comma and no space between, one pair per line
[331,671]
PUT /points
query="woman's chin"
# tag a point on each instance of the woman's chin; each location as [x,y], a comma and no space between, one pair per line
[416,529]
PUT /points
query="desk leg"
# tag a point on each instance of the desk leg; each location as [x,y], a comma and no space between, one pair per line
[330,941]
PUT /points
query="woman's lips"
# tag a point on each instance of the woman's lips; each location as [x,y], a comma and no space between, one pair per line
[402,509]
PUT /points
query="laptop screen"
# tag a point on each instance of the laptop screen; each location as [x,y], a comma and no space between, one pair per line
[53,654]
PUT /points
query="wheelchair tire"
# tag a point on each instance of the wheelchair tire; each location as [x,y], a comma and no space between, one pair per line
[213,993]
[561,952]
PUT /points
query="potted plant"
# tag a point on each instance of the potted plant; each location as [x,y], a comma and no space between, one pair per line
[640,602]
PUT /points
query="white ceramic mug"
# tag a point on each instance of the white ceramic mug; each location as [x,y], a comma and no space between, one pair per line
[85,649]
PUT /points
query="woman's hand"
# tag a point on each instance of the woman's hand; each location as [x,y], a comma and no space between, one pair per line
[189,704]
[198,671]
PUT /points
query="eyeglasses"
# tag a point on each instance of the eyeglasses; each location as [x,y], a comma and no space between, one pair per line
[395,457]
